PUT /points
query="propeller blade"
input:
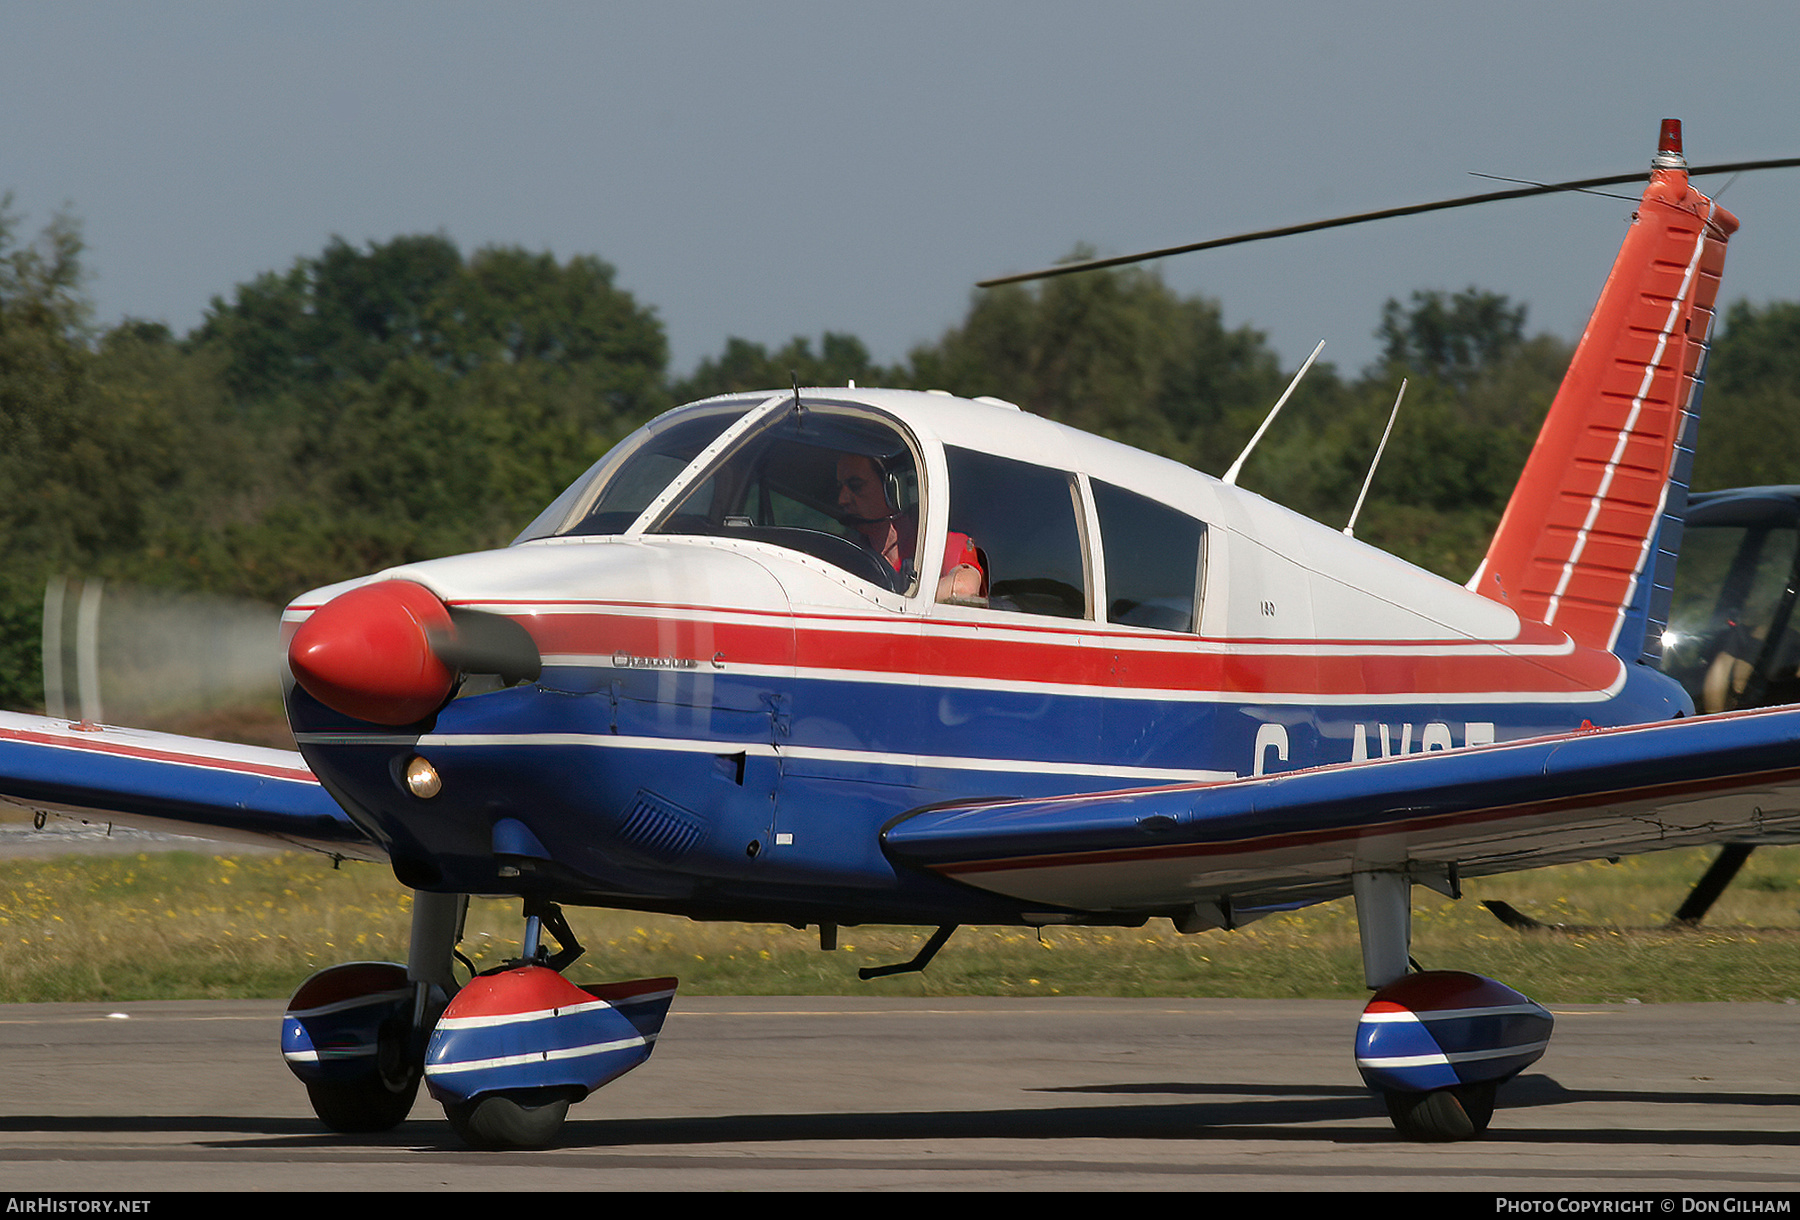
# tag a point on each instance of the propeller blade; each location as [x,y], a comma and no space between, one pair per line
[157,658]
[482,643]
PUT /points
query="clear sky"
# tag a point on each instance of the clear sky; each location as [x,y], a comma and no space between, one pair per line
[785,167]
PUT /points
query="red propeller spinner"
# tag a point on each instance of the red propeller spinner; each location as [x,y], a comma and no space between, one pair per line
[369,653]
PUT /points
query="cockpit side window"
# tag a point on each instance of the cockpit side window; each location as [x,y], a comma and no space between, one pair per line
[839,485]
[1152,559]
[1022,518]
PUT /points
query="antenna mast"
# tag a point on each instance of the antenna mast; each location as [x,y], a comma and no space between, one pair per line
[1237,466]
[1350,526]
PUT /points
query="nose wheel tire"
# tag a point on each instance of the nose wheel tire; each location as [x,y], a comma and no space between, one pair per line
[1445,1115]
[498,1121]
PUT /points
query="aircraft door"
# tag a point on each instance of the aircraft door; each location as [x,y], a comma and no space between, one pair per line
[839,485]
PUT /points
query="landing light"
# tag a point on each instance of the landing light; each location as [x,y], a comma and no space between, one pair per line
[422,779]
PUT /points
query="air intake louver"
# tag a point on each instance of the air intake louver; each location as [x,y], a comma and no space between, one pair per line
[658,828]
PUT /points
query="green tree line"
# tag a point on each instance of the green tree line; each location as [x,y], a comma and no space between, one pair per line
[373,405]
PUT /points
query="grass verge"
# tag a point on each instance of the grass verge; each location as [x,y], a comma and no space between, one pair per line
[179,925]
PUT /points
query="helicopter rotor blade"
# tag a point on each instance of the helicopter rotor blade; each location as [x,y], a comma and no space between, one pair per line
[1337,222]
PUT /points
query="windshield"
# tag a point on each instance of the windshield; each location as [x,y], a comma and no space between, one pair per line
[615,490]
[836,483]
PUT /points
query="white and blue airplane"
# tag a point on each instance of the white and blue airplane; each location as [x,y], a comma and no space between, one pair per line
[838,656]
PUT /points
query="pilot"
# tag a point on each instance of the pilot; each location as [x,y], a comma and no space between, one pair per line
[867,504]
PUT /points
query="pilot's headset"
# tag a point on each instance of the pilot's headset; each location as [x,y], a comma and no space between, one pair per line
[890,482]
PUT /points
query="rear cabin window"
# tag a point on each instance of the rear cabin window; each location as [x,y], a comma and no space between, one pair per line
[1152,559]
[1023,520]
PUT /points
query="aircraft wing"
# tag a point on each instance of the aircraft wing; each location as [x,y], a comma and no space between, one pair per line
[192,786]
[1297,837]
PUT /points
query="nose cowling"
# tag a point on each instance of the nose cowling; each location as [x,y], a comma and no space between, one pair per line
[370,653]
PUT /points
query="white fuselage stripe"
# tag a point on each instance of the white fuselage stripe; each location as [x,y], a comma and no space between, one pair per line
[676,745]
[1155,694]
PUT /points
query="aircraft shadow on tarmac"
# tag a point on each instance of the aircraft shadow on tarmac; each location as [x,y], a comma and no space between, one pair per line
[1334,1113]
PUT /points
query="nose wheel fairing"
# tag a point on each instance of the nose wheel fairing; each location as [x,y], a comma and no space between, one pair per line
[530,1031]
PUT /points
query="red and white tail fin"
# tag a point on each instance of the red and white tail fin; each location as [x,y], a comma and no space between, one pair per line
[1578,545]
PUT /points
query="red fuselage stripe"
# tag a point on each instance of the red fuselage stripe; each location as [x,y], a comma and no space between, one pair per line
[1074,659]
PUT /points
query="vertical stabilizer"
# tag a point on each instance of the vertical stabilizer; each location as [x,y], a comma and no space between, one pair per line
[1578,546]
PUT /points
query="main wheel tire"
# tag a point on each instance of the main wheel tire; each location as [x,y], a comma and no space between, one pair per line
[1445,1115]
[363,1106]
[379,1101]
[498,1121]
